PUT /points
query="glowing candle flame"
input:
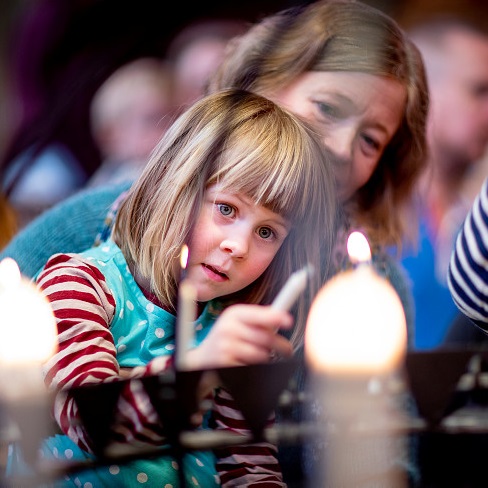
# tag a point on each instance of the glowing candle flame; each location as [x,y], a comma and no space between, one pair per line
[184,256]
[358,248]
[9,273]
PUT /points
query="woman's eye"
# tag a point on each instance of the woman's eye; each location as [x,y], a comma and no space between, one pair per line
[225,209]
[373,143]
[328,110]
[265,233]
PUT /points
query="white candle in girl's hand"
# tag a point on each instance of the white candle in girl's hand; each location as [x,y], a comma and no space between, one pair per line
[187,312]
[295,285]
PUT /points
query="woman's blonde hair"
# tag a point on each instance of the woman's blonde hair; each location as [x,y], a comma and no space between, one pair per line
[247,144]
[343,35]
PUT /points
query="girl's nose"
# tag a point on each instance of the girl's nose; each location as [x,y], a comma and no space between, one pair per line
[237,246]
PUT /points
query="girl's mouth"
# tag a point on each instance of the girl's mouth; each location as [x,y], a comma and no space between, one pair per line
[214,273]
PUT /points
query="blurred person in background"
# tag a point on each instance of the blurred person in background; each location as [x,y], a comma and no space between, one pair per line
[455,53]
[136,104]
[129,114]
[195,53]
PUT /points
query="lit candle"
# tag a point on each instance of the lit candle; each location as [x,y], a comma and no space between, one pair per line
[356,324]
[187,313]
[296,284]
[355,340]
[28,337]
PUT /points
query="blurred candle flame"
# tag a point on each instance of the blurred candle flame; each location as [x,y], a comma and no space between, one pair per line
[184,256]
[358,248]
[9,273]
[28,331]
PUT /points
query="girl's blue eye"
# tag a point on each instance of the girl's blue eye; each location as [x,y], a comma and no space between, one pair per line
[225,210]
[265,232]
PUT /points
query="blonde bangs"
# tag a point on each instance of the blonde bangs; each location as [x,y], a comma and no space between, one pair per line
[274,171]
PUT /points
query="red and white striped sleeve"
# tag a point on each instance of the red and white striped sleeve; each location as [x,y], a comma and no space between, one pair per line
[84,308]
[248,464]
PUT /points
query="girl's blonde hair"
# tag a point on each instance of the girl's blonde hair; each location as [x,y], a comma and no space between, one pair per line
[248,144]
[343,35]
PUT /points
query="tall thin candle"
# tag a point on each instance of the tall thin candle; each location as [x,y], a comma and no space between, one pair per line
[187,312]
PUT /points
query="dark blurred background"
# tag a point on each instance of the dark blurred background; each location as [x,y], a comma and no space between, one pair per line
[106,33]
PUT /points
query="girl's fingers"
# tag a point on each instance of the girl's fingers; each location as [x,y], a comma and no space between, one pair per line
[282,347]
[244,334]
[261,316]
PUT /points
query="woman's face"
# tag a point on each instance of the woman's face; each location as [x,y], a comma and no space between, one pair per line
[356,114]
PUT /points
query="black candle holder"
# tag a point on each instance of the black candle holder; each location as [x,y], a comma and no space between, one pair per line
[255,388]
[442,384]
[434,380]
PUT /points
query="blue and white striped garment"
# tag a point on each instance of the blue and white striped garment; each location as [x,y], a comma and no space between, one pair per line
[468,268]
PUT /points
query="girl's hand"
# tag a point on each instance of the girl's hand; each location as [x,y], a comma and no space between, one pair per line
[243,334]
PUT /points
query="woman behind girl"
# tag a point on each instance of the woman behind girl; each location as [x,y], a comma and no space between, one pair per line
[249,188]
[352,72]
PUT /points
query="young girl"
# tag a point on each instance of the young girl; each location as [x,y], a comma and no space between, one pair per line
[250,189]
